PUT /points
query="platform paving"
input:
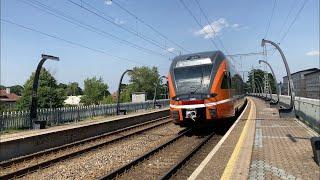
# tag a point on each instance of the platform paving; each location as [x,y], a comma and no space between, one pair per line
[269,147]
[282,148]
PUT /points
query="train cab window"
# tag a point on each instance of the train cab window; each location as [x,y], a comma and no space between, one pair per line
[225,82]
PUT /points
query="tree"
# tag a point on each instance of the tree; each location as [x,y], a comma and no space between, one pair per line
[49,93]
[94,91]
[62,86]
[73,89]
[143,79]
[108,100]
[259,75]
[17,89]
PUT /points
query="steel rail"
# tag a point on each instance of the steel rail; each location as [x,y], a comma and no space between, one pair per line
[178,165]
[122,169]
[43,164]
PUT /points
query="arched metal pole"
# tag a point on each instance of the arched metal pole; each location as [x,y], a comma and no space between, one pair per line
[275,80]
[290,81]
[34,92]
[260,87]
[155,91]
[119,90]
[260,84]
[266,96]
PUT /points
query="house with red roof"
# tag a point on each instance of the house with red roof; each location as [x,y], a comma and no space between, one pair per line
[7,98]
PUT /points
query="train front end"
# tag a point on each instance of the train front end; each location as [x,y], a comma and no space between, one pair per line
[193,95]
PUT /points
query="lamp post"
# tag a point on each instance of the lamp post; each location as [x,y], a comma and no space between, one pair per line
[119,90]
[155,90]
[34,96]
[290,81]
[275,80]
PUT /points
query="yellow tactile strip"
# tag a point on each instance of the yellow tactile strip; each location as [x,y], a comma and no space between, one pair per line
[215,167]
[237,167]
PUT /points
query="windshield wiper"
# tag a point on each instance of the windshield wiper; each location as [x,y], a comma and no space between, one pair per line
[201,82]
[193,92]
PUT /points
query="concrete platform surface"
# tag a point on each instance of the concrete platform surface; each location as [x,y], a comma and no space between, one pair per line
[29,133]
[262,146]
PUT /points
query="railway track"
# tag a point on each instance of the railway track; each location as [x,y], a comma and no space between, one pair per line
[23,165]
[163,161]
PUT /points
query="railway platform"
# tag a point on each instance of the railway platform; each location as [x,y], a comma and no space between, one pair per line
[261,145]
[31,141]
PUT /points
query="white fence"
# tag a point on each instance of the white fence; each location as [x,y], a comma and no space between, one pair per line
[56,116]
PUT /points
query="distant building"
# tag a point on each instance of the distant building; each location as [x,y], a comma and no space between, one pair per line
[312,81]
[73,100]
[280,87]
[302,81]
[138,97]
[7,98]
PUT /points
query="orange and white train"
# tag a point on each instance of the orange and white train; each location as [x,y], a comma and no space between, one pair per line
[204,87]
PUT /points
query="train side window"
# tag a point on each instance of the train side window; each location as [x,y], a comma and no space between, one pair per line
[225,82]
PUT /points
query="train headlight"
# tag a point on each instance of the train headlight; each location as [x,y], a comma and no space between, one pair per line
[212,95]
[213,113]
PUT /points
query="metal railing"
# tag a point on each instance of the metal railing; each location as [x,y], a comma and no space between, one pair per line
[306,109]
[57,116]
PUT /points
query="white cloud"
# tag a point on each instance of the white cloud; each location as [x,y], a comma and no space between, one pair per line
[235,25]
[119,21]
[213,29]
[170,49]
[108,2]
[313,53]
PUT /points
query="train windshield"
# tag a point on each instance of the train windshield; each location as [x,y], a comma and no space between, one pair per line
[193,79]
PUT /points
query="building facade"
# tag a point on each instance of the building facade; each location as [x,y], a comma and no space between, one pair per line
[312,81]
[306,83]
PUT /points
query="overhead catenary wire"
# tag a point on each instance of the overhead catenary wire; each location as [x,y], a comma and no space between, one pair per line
[63,16]
[291,24]
[98,13]
[208,21]
[288,15]
[148,25]
[200,25]
[245,54]
[294,20]
[269,22]
[73,43]
[196,20]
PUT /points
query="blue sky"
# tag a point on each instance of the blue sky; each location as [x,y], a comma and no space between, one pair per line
[239,25]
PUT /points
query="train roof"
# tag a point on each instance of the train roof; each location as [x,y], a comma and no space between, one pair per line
[208,54]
